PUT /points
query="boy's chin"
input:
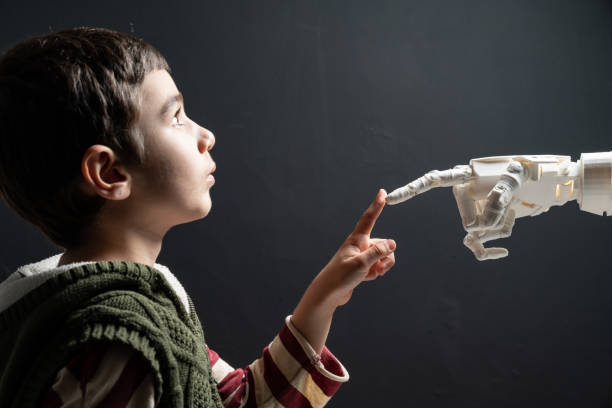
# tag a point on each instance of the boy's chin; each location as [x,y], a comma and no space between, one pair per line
[196,215]
[206,208]
[201,210]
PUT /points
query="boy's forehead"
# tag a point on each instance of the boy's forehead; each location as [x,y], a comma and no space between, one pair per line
[156,88]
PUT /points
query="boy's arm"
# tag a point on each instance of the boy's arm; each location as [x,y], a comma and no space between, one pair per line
[109,375]
[296,368]
[115,376]
[360,258]
[288,374]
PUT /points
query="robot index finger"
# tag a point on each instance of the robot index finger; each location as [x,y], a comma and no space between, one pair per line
[435,178]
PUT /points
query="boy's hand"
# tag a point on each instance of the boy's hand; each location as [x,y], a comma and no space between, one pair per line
[360,258]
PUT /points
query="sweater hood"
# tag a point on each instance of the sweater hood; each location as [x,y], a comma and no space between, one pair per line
[30,276]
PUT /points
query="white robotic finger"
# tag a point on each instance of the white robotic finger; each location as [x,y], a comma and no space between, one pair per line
[435,178]
[503,230]
[472,241]
[499,198]
[466,205]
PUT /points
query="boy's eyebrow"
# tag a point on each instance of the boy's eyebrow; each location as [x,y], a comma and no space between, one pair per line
[178,98]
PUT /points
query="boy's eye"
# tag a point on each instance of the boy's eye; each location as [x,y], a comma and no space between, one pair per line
[175,120]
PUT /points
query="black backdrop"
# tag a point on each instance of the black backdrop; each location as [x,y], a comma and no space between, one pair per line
[317,104]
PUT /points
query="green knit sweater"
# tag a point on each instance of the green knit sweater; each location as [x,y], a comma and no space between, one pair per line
[120,302]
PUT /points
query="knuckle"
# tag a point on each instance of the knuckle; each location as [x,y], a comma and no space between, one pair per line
[380,249]
[389,263]
[515,167]
[467,223]
[496,192]
[504,233]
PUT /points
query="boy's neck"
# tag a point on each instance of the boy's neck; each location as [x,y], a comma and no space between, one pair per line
[85,255]
[116,244]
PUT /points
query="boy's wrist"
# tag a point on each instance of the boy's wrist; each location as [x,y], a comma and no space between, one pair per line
[313,315]
[318,299]
[325,292]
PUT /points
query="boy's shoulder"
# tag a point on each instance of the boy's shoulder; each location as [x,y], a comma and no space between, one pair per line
[31,276]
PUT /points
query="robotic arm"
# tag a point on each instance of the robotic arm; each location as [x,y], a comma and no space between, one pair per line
[491,192]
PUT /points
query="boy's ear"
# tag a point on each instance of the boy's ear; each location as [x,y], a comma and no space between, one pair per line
[104,175]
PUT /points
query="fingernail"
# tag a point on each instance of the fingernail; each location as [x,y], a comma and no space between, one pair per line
[391,244]
[381,198]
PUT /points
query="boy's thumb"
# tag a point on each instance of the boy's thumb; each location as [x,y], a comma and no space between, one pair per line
[377,251]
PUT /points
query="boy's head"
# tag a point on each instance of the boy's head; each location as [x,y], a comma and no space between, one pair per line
[79,131]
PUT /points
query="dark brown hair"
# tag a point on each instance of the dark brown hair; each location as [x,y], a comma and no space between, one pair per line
[59,94]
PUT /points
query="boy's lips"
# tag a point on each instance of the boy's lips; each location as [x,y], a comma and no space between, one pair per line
[210,177]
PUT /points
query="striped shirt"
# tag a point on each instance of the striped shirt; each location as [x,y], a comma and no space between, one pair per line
[288,374]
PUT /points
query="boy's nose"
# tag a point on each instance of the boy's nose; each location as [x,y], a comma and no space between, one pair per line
[207,140]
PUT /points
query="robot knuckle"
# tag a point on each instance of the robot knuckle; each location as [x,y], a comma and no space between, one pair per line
[515,167]
[504,234]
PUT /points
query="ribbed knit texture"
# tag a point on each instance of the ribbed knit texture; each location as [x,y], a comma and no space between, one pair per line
[123,302]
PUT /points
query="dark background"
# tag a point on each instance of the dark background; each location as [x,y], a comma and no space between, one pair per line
[316,105]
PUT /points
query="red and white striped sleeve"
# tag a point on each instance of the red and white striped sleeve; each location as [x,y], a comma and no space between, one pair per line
[289,374]
[106,376]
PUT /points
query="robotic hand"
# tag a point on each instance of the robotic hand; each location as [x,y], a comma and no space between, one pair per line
[491,192]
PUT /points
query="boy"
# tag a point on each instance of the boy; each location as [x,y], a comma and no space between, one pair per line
[102,324]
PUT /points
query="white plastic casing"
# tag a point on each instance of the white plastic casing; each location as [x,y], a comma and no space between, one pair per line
[596,180]
[550,182]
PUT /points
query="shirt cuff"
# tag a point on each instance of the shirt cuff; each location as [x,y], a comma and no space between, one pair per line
[325,363]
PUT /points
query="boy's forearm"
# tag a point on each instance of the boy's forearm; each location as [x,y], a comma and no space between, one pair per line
[313,314]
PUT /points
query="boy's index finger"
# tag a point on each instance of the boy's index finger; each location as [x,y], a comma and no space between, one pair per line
[369,217]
